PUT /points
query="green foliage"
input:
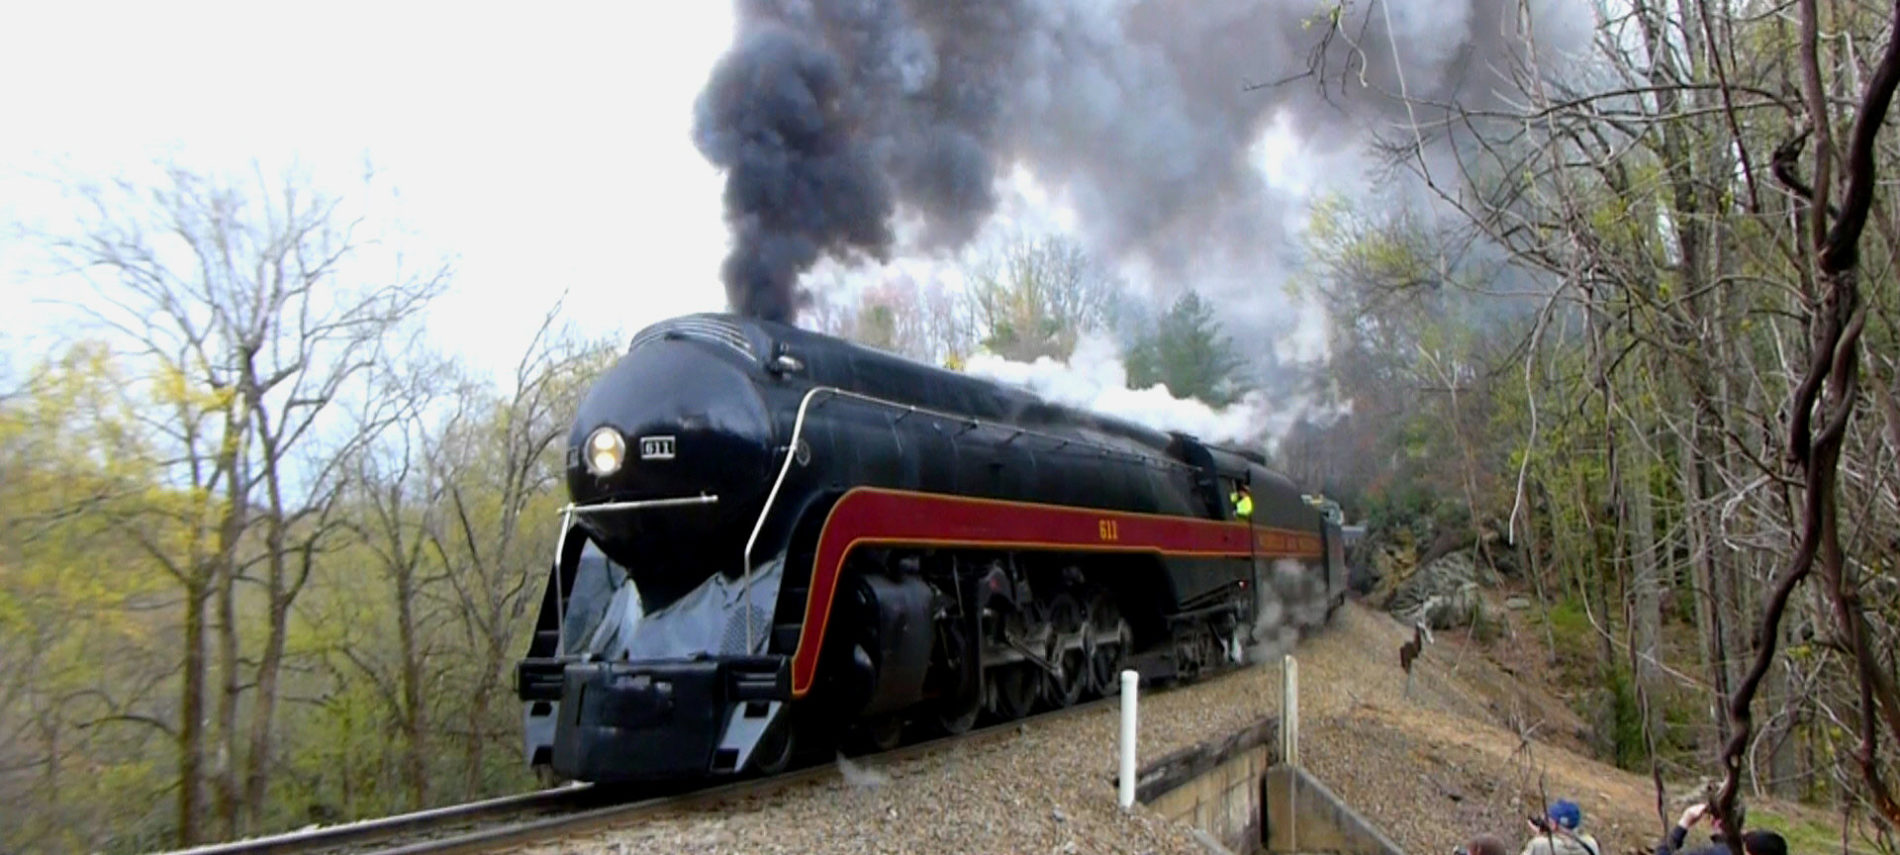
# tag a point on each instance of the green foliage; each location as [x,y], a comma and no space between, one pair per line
[1679,721]
[1674,713]
[76,640]
[1570,626]
[1035,297]
[877,326]
[1410,505]
[1803,834]
[1627,748]
[89,622]
[1188,353]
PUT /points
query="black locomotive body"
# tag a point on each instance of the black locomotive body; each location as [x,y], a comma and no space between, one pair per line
[778,537]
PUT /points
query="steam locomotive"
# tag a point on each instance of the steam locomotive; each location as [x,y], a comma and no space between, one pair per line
[778,539]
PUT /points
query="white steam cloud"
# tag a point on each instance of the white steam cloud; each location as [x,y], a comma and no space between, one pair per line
[861,777]
[1096,379]
[1291,601]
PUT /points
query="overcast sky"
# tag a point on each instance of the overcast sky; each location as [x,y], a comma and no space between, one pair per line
[547,150]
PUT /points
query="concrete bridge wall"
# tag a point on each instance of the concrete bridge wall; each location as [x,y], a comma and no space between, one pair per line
[1240,799]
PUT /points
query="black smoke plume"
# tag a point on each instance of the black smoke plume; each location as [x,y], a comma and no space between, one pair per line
[835,118]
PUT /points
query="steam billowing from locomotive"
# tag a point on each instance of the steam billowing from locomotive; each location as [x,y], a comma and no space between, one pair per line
[837,119]
[1287,602]
[1095,379]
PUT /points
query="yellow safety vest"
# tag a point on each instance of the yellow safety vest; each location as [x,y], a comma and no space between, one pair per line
[1243,504]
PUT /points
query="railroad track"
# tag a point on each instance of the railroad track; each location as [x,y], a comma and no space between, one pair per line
[531,817]
[379,834]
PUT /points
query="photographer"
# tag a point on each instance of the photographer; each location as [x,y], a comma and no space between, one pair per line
[1753,842]
[1558,833]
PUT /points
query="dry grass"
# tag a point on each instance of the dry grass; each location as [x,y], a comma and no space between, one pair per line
[1481,745]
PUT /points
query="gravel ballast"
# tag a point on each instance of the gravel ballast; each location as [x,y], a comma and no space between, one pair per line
[1429,770]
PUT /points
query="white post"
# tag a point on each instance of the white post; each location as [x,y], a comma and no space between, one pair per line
[1290,711]
[1130,680]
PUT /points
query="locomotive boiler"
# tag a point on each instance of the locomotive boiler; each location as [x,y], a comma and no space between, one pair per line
[780,539]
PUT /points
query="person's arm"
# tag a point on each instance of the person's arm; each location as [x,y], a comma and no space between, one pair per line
[1673,843]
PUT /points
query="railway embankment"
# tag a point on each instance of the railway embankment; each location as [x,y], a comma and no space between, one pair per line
[1470,749]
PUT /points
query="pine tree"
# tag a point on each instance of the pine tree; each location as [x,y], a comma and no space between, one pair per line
[1188,352]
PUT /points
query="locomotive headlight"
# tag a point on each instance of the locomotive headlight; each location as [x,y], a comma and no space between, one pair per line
[606,450]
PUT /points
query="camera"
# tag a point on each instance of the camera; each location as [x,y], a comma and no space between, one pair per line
[1540,823]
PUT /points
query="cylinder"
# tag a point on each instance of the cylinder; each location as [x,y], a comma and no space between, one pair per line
[1130,680]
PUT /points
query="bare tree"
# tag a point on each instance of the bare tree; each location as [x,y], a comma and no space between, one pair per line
[256,313]
[1721,322]
[394,505]
[926,321]
[1827,395]
[494,464]
[1033,298]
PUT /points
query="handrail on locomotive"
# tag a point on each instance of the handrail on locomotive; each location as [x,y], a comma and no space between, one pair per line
[798,432]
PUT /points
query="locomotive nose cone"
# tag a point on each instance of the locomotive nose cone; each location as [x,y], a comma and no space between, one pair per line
[672,419]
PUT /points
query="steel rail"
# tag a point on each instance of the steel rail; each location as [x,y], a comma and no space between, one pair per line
[345,834]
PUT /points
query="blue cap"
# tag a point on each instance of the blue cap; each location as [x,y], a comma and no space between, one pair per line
[1566,813]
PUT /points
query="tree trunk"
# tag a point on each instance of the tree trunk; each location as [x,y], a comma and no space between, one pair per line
[264,708]
[191,748]
[477,733]
[49,732]
[283,591]
[1645,581]
[1783,774]
[1536,572]
[270,665]
[1701,540]
[1825,398]
[494,663]
[414,725]
[230,532]
[226,780]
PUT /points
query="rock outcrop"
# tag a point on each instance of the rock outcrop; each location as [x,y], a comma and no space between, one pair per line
[1444,594]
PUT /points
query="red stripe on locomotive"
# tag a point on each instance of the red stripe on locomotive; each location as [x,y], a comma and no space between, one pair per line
[877,515]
